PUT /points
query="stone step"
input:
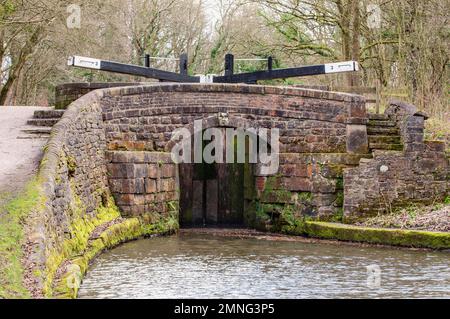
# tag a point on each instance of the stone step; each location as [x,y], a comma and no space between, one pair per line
[49,122]
[381,123]
[386,147]
[384,139]
[38,131]
[376,130]
[378,117]
[48,114]
[33,136]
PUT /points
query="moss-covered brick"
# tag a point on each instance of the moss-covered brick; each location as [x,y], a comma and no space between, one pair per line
[393,237]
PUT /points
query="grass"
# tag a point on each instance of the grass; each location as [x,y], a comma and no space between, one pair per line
[438,130]
[11,240]
[420,217]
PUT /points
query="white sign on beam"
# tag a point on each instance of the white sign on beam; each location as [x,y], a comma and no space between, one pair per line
[349,66]
[84,62]
[208,78]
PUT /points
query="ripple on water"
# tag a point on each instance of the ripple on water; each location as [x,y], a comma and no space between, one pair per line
[202,266]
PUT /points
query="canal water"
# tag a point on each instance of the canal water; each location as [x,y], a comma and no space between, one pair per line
[205,266]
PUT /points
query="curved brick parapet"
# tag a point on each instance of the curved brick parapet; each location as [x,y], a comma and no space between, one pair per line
[67,93]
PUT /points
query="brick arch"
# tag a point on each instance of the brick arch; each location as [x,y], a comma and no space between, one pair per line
[321,133]
[216,122]
[143,118]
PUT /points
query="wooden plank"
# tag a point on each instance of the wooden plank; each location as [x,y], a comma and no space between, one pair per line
[115,67]
[254,77]
[212,195]
[186,194]
[197,203]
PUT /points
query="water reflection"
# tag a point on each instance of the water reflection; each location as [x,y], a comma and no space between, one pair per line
[204,266]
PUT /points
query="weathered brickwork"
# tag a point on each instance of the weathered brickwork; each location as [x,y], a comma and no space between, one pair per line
[329,125]
[73,185]
[322,134]
[311,182]
[117,141]
[81,170]
[419,174]
[309,122]
[70,92]
[143,182]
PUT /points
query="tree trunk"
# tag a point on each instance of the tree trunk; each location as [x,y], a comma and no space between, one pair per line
[356,46]
[16,68]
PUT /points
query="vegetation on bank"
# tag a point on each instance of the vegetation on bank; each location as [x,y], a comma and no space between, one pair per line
[67,285]
[416,226]
[12,216]
[80,249]
[382,236]
[418,217]
[437,129]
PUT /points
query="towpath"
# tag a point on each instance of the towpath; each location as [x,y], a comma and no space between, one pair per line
[20,154]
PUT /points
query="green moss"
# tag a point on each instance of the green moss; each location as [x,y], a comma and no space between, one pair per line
[447,200]
[338,217]
[339,199]
[12,216]
[278,217]
[340,183]
[71,165]
[127,230]
[80,231]
[394,237]
[162,226]
[290,219]
[272,194]
[305,197]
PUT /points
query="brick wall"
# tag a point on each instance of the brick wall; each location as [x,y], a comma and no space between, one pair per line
[143,182]
[321,133]
[70,92]
[73,185]
[80,174]
[419,174]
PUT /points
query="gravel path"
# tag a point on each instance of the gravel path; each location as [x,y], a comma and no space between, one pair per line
[19,157]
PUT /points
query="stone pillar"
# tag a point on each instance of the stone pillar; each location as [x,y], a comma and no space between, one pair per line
[357,139]
[143,183]
[411,123]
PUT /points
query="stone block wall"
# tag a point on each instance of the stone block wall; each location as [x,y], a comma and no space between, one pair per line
[320,132]
[72,183]
[312,183]
[79,165]
[67,93]
[310,121]
[419,174]
[143,182]
[116,142]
